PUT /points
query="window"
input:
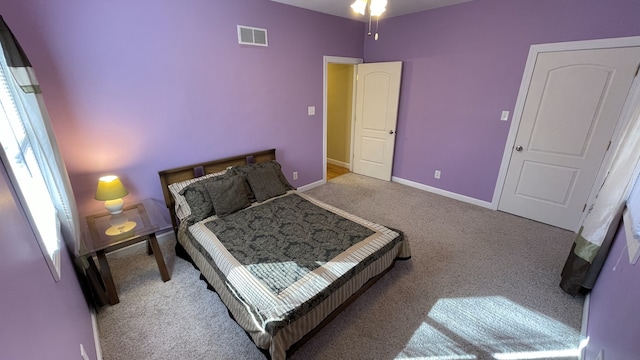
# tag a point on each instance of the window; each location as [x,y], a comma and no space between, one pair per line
[20,158]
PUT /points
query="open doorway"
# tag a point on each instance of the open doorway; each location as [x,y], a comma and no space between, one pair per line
[339,118]
[365,116]
[339,90]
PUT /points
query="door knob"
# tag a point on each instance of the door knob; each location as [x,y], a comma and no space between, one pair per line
[390,132]
[518,147]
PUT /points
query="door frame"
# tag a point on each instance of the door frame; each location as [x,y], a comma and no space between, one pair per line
[534,51]
[326,61]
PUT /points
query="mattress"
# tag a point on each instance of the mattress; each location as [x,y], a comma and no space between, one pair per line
[283,265]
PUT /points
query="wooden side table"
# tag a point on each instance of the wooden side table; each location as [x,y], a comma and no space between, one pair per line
[149,219]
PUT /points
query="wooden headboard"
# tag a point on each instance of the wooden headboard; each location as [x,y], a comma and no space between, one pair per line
[182,173]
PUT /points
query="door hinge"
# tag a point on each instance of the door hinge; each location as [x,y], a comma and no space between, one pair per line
[584,207]
[608,146]
[637,70]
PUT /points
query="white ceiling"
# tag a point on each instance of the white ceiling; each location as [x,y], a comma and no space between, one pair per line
[342,8]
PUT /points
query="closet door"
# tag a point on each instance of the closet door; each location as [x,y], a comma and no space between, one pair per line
[571,110]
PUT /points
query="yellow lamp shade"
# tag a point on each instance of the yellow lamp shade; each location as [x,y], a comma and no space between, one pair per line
[110,188]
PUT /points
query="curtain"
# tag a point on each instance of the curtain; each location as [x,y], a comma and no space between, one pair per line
[36,122]
[592,242]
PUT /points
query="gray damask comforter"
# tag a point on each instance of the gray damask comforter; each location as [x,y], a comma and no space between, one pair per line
[282,265]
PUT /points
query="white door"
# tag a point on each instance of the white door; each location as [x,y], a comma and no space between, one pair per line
[570,113]
[376,110]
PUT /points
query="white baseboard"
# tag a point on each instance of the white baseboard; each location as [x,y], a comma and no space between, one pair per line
[583,327]
[141,247]
[311,186]
[339,163]
[96,334]
[431,189]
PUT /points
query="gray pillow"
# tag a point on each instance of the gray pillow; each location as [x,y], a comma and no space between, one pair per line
[199,201]
[246,169]
[265,184]
[228,194]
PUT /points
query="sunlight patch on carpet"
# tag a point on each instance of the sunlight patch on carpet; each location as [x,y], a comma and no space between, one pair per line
[490,327]
[428,343]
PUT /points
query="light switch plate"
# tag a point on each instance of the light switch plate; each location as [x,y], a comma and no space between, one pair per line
[311,110]
[504,116]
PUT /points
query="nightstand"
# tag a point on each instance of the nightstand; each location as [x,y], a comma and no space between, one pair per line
[149,218]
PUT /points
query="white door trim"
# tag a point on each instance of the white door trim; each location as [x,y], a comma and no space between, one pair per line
[326,61]
[534,50]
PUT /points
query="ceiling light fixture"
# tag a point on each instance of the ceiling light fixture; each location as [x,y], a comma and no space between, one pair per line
[376,8]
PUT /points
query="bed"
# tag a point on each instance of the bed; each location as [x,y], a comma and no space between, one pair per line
[282,262]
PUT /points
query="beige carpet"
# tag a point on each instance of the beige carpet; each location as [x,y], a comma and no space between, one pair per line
[481,284]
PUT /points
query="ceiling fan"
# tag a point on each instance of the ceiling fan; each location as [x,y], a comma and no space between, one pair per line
[375,7]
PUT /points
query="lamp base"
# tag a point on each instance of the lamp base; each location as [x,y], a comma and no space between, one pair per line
[120,229]
[114,206]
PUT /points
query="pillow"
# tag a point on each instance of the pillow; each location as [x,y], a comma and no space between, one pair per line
[197,197]
[228,194]
[265,184]
[181,206]
[246,169]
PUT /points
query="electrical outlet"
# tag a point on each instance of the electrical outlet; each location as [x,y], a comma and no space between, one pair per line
[295,175]
[437,174]
[600,355]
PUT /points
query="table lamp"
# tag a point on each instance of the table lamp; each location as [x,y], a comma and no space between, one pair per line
[111,191]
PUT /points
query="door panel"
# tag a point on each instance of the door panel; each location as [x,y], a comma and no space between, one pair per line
[570,104]
[376,88]
[572,107]
[372,150]
[377,97]
[564,181]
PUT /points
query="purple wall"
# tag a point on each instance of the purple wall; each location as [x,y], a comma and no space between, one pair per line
[137,87]
[613,312]
[40,318]
[134,87]
[463,65]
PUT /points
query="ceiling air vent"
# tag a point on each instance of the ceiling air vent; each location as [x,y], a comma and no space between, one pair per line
[252,36]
